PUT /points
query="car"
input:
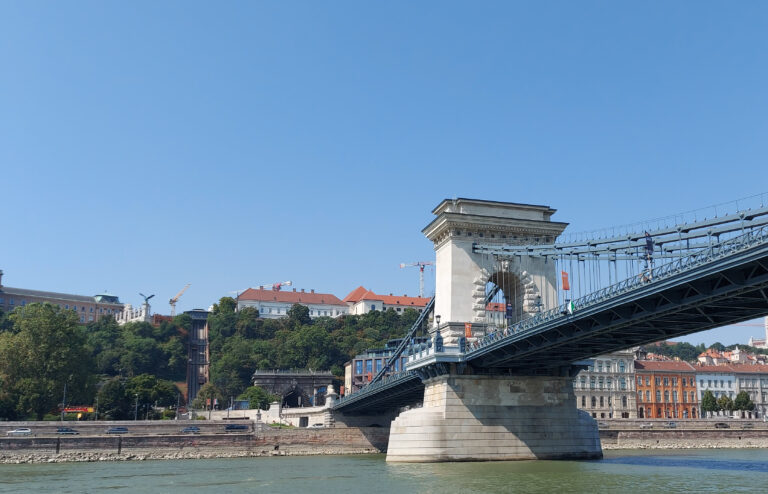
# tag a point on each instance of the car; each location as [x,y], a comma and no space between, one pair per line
[117,430]
[66,430]
[670,425]
[235,427]
[747,425]
[722,425]
[315,426]
[21,431]
[646,426]
[192,429]
[603,425]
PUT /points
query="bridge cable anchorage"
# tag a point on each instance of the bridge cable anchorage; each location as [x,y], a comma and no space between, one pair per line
[404,343]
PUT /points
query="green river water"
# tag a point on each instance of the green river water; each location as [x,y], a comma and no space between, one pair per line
[727,470]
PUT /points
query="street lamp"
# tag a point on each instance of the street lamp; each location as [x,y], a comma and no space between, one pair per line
[437,318]
[136,408]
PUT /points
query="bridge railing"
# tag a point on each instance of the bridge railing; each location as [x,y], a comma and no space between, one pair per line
[691,261]
[373,387]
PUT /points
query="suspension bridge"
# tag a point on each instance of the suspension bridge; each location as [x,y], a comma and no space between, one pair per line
[567,298]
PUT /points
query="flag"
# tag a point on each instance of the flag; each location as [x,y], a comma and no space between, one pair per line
[468,330]
[566,285]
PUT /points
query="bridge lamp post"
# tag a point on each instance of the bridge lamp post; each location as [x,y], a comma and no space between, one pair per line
[437,319]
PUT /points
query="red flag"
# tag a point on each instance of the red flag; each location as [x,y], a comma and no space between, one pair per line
[468,330]
[566,285]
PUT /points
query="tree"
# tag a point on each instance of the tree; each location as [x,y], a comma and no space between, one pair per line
[45,352]
[725,403]
[207,391]
[151,390]
[258,397]
[226,305]
[743,402]
[298,315]
[114,401]
[717,346]
[708,402]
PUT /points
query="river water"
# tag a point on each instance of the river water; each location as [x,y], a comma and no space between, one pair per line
[698,471]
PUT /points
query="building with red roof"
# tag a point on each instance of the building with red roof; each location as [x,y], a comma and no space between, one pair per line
[666,389]
[275,303]
[361,301]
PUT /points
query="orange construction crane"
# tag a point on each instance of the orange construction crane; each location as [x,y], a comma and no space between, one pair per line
[421,265]
[176,299]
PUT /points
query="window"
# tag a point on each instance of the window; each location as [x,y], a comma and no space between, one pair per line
[599,367]
[666,396]
[674,381]
[729,384]
[657,381]
[709,383]
[378,364]
[647,381]
[621,366]
[721,384]
[658,395]
[647,396]
[358,367]
[594,402]
[368,366]
[640,396]
[622,383]
[66,306]
[623,402]
[82,318]
[674,396]
[684,396]
[601,401]
[11,301]
[639,381]
[701,382]
[91,310]
[23,303]
[592,382]
[666,381]
[583,401]
[600,383]
[373,306]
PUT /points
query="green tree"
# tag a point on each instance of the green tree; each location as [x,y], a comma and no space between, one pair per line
[114,401]
[258,397]
[743,402]
[206,392]
[725,403]
[717,346]
[298,315]
[46,351]
[708,402]
[151,390]
[226,305]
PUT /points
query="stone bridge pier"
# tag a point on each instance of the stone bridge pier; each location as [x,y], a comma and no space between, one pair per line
[487,414]
[482,417]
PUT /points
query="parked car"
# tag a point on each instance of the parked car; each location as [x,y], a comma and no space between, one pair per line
[192,429]
[747,425]
[603,425]
[670,425]
[66,430]
[722,425]
[21,431]
[235,427]
[117,430]
[646,426]
[315,426]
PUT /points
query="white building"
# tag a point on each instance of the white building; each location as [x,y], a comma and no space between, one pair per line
[719,379]
[607,388]
[275,303]
[361,301]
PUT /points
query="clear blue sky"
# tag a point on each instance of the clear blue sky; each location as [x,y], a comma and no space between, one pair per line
[146,145]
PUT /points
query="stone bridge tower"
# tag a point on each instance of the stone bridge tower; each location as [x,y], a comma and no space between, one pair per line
[461,275]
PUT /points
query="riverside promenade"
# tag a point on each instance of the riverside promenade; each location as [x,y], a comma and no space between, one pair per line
[148,440]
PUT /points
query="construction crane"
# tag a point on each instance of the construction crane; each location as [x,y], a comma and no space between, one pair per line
[176,299]
[421,265]
[274,286]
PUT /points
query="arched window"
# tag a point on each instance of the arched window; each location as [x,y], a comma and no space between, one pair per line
[583,401]
[666,396]
[623,402]
[601,401]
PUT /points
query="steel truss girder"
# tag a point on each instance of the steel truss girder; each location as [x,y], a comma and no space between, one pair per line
[703,305]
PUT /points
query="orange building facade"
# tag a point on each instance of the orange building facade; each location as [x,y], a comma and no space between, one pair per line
[666,390]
